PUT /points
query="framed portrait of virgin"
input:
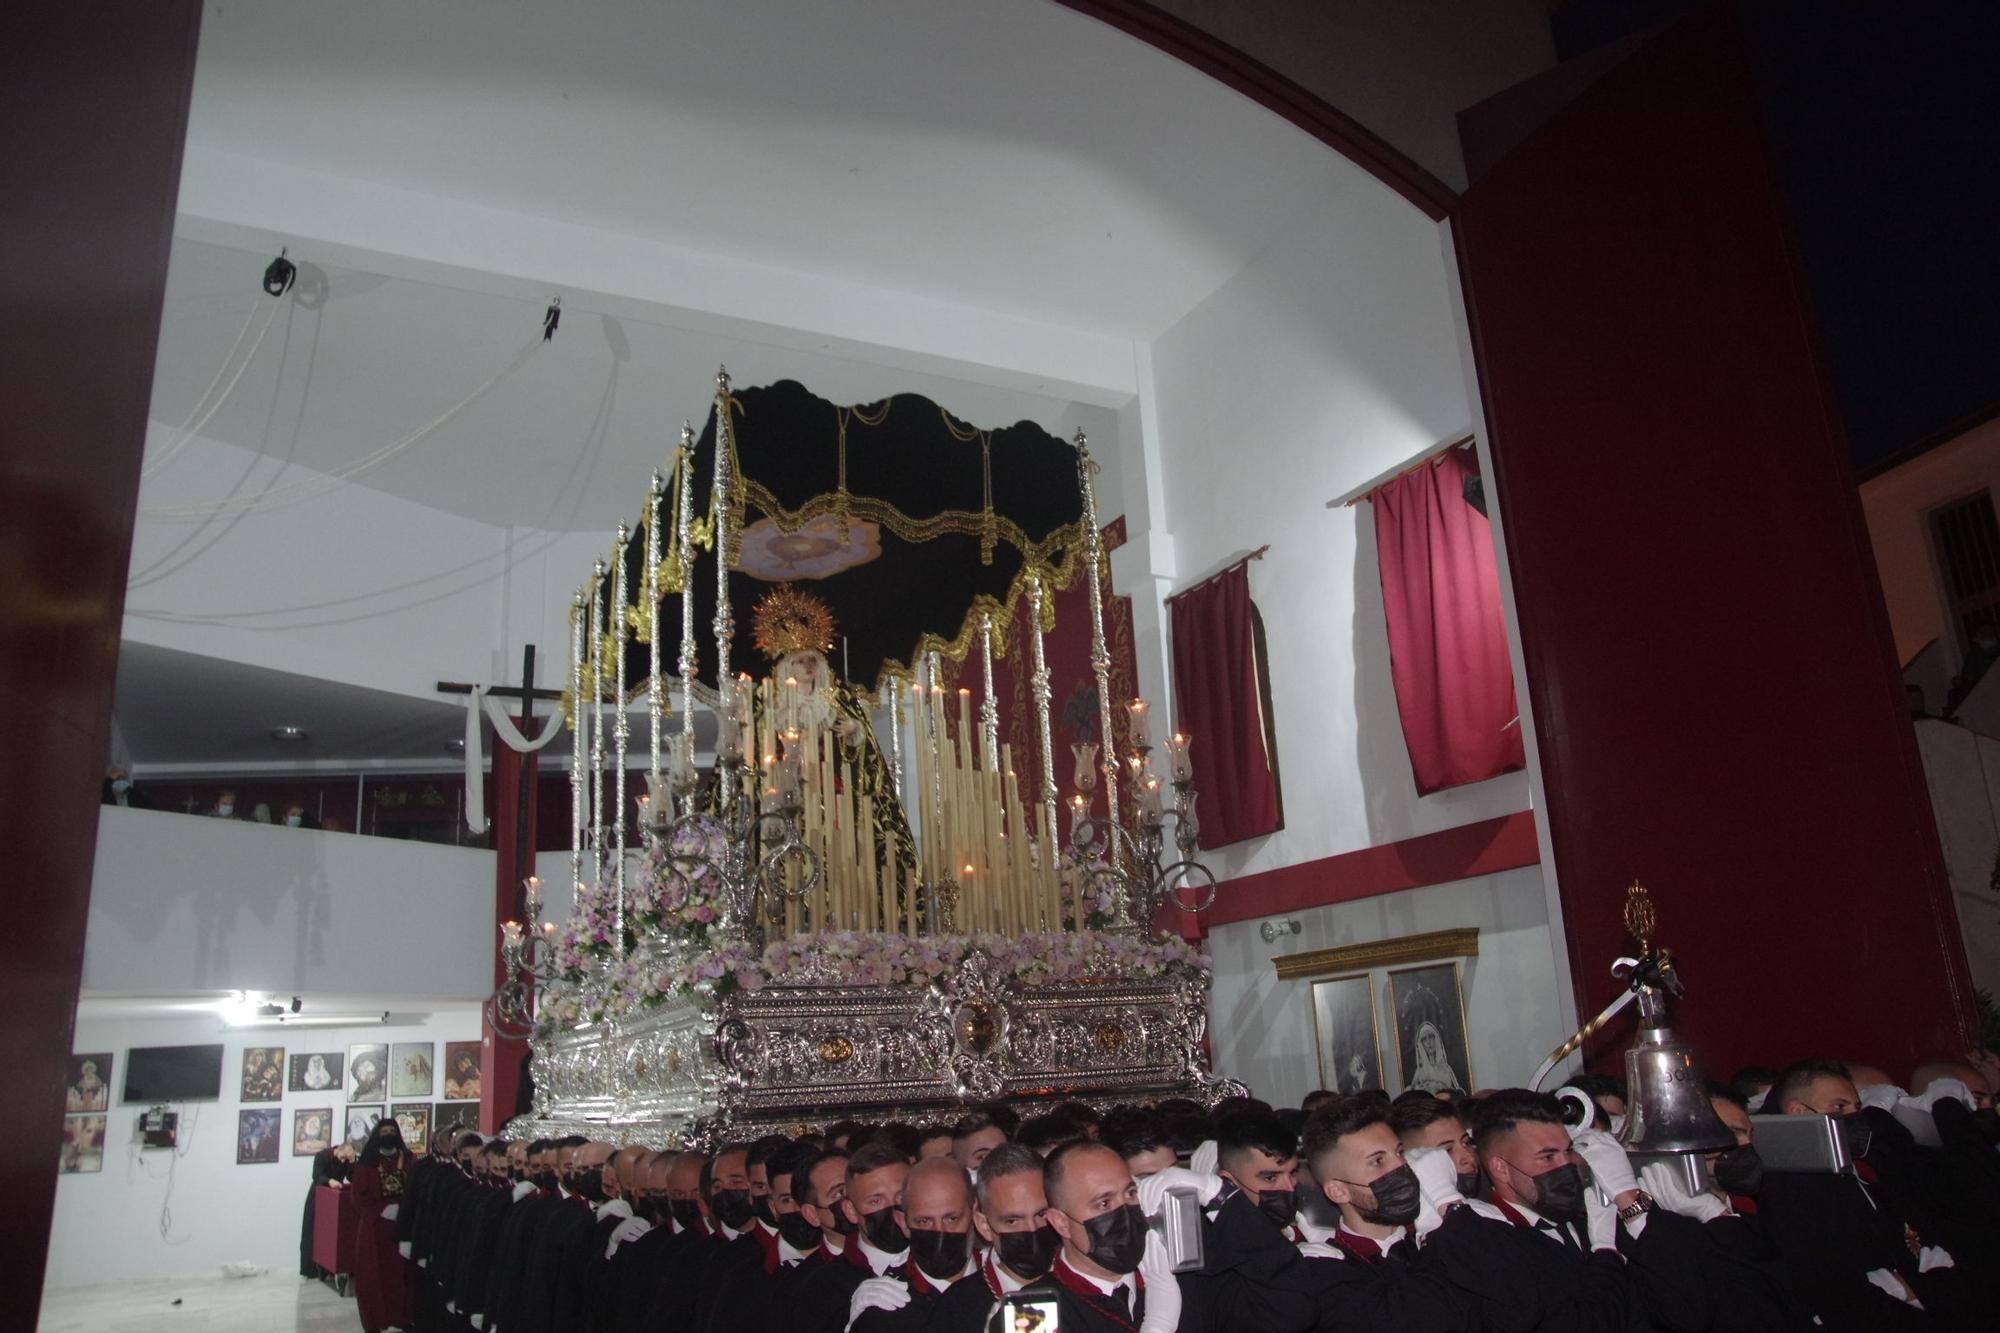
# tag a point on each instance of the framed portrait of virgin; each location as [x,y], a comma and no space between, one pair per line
[1350,1055]
[1432,1052]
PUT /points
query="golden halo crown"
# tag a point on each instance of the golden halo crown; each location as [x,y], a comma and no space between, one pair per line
[787,620]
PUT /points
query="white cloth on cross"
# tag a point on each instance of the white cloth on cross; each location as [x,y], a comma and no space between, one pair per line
[504,728]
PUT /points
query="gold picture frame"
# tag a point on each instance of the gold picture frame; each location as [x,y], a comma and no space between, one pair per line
[1350,1052]
[1427,1021]
[1461,942]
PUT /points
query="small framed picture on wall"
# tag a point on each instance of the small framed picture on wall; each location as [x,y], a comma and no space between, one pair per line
[1350,1053]
[1431,1047]
[257,1133]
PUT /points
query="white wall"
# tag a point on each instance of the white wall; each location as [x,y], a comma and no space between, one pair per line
[153,1213]
[1897,505]
[1262,1028]
[182,904]
[1331,358]
[1962,769]
[364,587]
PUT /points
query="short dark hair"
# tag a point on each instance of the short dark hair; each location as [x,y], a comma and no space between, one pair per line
[1046,1131]
[1009,1159]
[1752,1081]
[1002,1115]
[1323,1133]
[1188,1132]
[969,1125]
[539,1146]
[903,1136]
[873,1156]
[784,1162]
[1315,1099]
[1254,1131]
[1229,1106]
[1078,1113]
[805,1164]
[1414,1111]
[1499,1113]
[1798,1076]
[761,1150]
[846,1129]
[1723,1092]
[1594,1086]
[1131,1130]
[571,1141]
[1056,1165]
[708,1166]
[935,1132]
[469,1139]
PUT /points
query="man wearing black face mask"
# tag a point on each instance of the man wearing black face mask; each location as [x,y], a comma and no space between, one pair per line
[551,1296]
[619,1218]
[935,1212]
[1007,1213]
[761,1296]
[523,1216]
[1422,1121]
[644,1295]
[736,1246]
[1604,1265]
[1845,1248]
[872,1183]
[1111,1274]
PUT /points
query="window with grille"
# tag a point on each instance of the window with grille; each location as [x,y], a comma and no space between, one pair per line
[1967,538]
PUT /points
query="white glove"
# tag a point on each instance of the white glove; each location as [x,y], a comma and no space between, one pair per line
[1942,1088]
[1882,1096]
[1668,1186]
[478,1321]
[451,1307]
[629,1230]
[1437,1179]
[1206,1155]
[1600,1221]
[877,1293]
[1931,1256]
[1319,1249]
[390,1213]
[1608,1162]
[1163,1289]
[1153,1189]
[402,1246]
[1895,1286]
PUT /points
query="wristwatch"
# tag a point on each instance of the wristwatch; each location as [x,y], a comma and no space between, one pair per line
[1642,1204]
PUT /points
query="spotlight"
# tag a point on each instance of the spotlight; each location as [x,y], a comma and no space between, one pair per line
[1270,930]
[290,735]
[278,278]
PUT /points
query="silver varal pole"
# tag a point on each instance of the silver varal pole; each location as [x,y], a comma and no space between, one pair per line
[725,616]
[690,658]
[989,707]
[1039,684]
[597,722]
[578,817]
[1100,655]
[622,722]
[649,584]
[896,738]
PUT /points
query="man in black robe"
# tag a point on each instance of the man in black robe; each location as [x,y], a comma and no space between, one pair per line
[1008,1210]
[1110,1275]
[934,1213]
[873,1182]
[551,1292]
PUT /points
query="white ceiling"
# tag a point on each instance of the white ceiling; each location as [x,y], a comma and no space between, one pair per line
[1008,155]
[985,201]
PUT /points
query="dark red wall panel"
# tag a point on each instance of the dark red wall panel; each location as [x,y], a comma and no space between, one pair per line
[1706,647]
[94,98]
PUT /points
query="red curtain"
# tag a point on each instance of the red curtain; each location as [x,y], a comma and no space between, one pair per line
[1447,638]
[1219,702]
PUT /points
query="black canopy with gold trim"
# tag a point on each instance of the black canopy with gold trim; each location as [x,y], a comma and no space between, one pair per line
[903,519]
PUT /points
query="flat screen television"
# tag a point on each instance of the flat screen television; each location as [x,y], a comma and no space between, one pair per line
[173,1074]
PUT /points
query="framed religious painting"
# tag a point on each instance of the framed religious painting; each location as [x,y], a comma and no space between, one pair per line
[461,1071]
[257,1133]
[458,1117]
[88,1087]
[1350,1052]
[82,1144]
[315,1071]
[263,1073]
[361,1122]
[368,1073]
[410,1069]
[312,1130]
[1432,1052]
[414,1119]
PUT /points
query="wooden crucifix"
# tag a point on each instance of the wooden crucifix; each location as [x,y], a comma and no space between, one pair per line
[521,863]
[504,1062]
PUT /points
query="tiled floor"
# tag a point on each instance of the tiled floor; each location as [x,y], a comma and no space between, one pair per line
[273,1303]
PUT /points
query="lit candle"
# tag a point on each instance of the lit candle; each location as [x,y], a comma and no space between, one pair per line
[511,932]
[1138,709]
[1086,765]
[1149,798]
[1079,811]
[1179,765]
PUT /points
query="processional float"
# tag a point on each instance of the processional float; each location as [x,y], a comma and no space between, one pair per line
[818,926]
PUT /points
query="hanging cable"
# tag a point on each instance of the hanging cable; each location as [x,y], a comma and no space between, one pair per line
[192,427]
